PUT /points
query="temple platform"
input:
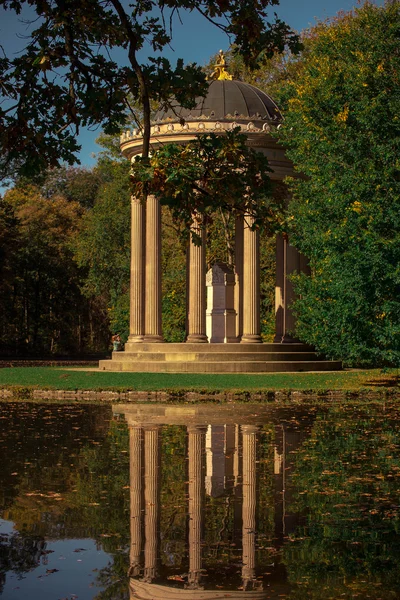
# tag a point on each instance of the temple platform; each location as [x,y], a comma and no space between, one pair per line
[217,358]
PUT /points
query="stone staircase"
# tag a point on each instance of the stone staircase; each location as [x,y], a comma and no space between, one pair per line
[217,358]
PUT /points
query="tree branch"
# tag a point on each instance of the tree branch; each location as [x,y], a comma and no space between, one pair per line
[144,92]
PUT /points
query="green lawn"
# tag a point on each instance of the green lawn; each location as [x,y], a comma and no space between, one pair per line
[83,379]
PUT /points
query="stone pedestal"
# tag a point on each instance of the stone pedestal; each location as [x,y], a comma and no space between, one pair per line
[221,314]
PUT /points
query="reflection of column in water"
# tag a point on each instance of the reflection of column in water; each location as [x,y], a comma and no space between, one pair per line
[249,445]
[151,500]
[237,482]
[135,464]
[196,496]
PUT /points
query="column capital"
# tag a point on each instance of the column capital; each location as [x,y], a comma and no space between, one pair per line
[150,427]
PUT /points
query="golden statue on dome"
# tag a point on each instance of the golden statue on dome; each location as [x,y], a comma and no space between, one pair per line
[219,72]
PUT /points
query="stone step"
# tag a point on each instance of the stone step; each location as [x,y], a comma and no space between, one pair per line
[184,347]
[215,356]
[219,367]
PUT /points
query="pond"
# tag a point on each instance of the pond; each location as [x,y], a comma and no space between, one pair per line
[256,501]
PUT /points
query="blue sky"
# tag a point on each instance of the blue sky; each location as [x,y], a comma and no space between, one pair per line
[194,41]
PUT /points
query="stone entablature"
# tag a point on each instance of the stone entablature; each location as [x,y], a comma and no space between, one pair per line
[172,131]
[202,125]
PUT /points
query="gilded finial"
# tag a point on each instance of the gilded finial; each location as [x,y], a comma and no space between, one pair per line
[219,72]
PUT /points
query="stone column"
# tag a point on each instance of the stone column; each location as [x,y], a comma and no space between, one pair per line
[153,327]
[136,322]
[135,469]
[249,445]
[292,264]
[251,284]
[197,288]
[151,501]
[239,224]
[196,497]
[279,288]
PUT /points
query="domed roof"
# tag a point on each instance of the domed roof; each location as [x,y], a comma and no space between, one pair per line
[230,100]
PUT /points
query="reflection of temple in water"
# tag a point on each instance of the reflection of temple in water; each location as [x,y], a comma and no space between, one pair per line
[223,463]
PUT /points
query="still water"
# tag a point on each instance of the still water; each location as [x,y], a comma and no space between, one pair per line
[199,502]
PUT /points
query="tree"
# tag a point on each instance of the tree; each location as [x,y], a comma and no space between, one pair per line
[66,76]
[76,184]
[42,307]
[342,131]
[103,247]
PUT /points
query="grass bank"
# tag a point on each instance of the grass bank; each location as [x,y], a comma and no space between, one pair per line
[82,379]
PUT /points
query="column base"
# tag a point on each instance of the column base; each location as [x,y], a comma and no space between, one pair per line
[196,338]
[135,339]
[278,339]
[249,338]
[153,339]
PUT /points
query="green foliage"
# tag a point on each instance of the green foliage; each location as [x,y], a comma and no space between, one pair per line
[103,246]
[75,184]
[42,306]
[66,77]
[173,257]
[342,132]
[197,179]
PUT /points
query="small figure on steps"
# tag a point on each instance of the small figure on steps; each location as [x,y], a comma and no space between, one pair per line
[116,342]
